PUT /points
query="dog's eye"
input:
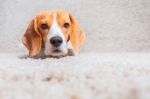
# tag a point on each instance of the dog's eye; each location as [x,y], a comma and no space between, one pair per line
[44,26]
[66,25]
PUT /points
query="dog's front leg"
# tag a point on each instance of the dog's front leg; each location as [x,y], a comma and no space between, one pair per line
[71,50]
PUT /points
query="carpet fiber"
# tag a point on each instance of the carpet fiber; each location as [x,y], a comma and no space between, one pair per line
[87,76]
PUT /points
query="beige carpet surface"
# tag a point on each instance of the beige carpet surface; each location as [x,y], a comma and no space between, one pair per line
[87,76]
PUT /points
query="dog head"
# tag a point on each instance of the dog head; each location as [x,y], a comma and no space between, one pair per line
[50,32]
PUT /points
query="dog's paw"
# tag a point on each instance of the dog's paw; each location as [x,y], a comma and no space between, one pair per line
[71,51]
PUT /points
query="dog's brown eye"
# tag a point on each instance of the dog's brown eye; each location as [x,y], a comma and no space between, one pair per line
[66,25]
[44,26]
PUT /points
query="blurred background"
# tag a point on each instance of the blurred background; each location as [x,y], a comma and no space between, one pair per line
[110,25]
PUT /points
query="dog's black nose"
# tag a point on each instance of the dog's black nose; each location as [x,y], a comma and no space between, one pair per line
[56,41]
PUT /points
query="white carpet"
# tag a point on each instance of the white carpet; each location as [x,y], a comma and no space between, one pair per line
[87,76]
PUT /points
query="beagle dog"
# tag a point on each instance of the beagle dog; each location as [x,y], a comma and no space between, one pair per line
[53,33]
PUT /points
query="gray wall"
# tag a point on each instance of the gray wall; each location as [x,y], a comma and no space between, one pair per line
[110,25]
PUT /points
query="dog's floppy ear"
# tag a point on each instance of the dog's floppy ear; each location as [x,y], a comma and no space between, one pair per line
[77,36]
[32,39]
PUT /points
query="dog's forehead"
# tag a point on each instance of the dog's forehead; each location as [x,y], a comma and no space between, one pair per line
[44,17]
[62,15]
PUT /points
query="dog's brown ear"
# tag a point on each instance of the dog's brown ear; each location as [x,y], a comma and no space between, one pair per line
[77,36]
[32,39]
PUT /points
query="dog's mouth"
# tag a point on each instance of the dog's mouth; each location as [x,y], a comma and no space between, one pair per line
[57,51]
